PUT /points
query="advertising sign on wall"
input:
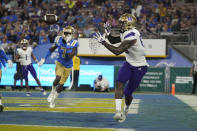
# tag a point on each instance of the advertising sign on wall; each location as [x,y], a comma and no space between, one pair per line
[46,74]
[154,80]
[154,48]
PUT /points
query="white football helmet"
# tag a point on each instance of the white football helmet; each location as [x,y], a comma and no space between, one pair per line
[127,21]
[24,44]
[68,33]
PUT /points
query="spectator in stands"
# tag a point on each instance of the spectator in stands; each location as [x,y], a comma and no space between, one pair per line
[193,72]
[101,84]
[5,43]
[87,32]
[162,12]
[112,21]
[96,20]
[43,38]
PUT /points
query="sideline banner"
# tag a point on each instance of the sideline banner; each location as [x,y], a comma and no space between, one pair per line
[154,48]
[46,75]
[153,81]
[180,76]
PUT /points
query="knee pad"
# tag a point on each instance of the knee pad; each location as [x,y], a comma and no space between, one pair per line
[59,88]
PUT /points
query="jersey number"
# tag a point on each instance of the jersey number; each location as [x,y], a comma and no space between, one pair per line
[64,52]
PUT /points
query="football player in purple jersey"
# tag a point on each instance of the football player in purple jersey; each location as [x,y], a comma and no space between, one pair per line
[135,66]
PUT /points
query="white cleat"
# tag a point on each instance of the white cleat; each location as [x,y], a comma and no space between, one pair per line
[124,115]
[44,92]
[117,116]
[28,94]
[52,105]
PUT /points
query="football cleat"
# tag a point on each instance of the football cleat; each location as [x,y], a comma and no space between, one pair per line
[43,92]
[28,94]
[1,108]
[118,116]
[52,104]
[124,115]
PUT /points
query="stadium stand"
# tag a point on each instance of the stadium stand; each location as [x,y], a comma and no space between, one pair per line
[171,19]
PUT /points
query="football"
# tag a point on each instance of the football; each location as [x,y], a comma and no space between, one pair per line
[50,18]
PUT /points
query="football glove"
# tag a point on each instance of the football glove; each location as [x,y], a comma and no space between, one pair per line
[107,27]
[10,64]
[41,62]
[99,37]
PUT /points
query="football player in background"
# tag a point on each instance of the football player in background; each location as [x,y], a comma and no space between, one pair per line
[19,73]
[3,60]
[135,66]
[67,48]
[24,55]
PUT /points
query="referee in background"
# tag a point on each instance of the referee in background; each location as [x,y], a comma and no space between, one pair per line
[193,73]
[75,73]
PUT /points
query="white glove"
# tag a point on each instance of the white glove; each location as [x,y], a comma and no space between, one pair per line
[41,62]
[107,27]
[99,37]
[10,64]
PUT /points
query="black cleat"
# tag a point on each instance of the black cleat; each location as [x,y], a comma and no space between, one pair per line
[1,108]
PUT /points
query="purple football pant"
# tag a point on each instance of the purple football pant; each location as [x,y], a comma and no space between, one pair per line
[131,74]
[29,68]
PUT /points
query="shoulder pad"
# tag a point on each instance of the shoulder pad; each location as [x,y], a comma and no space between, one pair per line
[74,43]
[57,38]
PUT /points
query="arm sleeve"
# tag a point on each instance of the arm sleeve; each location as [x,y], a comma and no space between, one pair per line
[2,53]
[48,54]
[3,62]
[113,40]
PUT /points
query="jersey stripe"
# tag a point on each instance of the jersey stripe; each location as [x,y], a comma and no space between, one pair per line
[130,34]
[57,39]
[73,43]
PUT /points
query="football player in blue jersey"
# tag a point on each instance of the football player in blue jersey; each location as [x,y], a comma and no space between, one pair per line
[67,48]
[3,60]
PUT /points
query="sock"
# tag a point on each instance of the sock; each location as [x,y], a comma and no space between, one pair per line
[126,106]
[55,96]
[53,89]
[118,104]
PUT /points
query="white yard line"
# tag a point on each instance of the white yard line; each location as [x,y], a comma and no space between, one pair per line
[190,100]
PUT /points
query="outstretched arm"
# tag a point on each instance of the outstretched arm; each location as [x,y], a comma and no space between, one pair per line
[4,56]
[47,55]
[34,58]
[50,51]
[121,48]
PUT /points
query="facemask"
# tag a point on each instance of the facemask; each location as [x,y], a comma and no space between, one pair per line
[68,38]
